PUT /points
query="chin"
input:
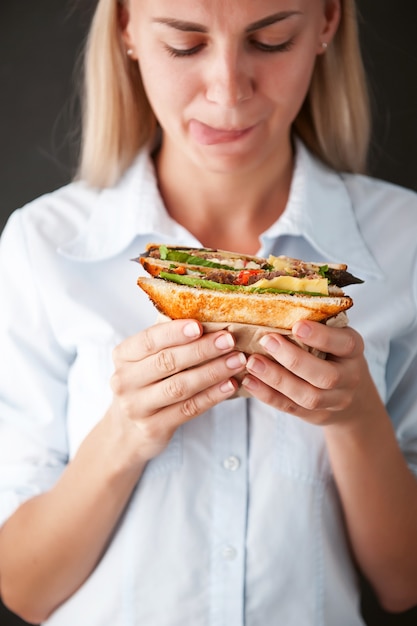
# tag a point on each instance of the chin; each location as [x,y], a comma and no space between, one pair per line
[235,164]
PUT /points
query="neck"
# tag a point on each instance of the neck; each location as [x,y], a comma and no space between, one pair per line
[225,210]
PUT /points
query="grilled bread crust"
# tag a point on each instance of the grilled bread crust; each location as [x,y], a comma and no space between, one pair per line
[263,309]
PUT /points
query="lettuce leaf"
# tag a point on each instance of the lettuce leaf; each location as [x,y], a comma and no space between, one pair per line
[192,281]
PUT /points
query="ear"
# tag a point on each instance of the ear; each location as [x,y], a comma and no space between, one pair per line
[331,19]
[124,25]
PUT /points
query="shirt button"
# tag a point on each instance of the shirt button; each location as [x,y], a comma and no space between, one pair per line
[232,463]
[229,553]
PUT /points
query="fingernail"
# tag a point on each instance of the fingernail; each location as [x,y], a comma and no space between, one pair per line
[302,330]
[255,365]
[192,329]
[249,383]
[236,361]
[227,386]
[270,343]
[224,341]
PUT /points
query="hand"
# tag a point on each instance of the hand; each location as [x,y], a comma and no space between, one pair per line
[167,375]
[330,391]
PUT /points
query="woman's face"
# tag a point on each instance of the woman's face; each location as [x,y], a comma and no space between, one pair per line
[226,78]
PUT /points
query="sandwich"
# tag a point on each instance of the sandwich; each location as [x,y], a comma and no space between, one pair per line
[213,285]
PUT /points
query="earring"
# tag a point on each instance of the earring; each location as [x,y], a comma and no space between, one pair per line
[129,52]
[324,45]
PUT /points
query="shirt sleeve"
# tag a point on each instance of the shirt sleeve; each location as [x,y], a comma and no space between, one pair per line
[402,404]
[33,375]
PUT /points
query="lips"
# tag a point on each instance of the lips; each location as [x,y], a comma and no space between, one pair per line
[207,135]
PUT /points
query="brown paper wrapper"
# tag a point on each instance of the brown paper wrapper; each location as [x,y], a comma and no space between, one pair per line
[247,338]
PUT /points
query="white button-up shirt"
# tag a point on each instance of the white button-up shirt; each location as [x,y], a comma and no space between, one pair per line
[238,521]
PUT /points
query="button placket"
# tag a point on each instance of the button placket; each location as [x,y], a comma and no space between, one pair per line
[230,502]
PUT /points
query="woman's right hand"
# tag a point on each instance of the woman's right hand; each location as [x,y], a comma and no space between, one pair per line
[165,376]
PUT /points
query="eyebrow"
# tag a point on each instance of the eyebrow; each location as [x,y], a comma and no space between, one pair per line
[180,24]
[198,28]
[271,19]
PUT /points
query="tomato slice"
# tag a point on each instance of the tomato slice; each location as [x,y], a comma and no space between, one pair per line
[243,276]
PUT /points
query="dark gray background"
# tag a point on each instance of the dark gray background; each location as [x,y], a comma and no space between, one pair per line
[40,42]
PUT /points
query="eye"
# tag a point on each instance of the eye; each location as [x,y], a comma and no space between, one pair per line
[264,47]
[183,52]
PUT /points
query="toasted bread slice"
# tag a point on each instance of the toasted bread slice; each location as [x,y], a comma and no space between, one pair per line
[264,309]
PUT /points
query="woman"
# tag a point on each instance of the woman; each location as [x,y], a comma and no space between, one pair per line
[131,493]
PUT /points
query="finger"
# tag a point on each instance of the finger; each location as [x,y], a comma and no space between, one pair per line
[173,416]
[186,384]
[155,338]
[280,379]
[339,342]
[264,392]
[172,360]
[313,405]
[323,374]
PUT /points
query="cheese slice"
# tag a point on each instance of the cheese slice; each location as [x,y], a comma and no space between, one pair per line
[290,283]
[280,263]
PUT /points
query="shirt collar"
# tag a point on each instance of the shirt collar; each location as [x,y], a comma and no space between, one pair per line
[320,209]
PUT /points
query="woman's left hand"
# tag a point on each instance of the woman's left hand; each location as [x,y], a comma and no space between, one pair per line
[321,391]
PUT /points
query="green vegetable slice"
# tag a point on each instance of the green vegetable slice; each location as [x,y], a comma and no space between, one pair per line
[192,281]
[179,256]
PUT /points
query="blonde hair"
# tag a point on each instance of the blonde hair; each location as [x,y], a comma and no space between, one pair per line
[334,121]
[117,118]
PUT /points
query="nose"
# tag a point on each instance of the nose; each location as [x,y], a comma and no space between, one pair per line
[230,81]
